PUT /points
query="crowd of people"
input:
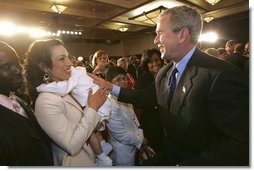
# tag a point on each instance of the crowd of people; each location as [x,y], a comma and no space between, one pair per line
[177,106]
[234,52]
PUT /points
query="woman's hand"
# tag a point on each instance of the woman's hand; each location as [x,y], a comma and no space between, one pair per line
[97,99]
[99,68]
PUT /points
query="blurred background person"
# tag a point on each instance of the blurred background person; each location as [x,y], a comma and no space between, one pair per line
[125,134]
[213,52]
[150,119]
[139,70]
[123,62]
[237,58]
[100,62]
[230,45]
[88,64]
[222,53]
[132,66]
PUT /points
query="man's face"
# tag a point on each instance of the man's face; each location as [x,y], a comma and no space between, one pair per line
[122,64]
[10,70]
[166,40]
[134,60]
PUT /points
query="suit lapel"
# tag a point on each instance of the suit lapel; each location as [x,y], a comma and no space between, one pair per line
[185,84]
[162,89]
[183,88]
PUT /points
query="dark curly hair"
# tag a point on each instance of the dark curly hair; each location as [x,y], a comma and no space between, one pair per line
[113,72]
[38,53]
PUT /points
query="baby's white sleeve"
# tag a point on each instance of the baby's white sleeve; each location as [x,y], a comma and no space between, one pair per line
[80,93]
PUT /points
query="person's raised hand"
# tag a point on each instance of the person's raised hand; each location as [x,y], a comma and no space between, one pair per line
[97,99]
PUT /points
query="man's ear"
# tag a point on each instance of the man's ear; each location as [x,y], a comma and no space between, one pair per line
[184,34]
[43,67]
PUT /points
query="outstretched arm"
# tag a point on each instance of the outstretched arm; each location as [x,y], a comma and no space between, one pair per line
[101,82]
[139,98]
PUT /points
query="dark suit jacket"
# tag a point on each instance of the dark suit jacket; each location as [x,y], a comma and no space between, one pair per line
[237,59]
[150,118]
[207,122]
[22,142]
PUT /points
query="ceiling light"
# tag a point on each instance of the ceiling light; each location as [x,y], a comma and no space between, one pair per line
[208,19]
[80,58]
[123,29]
[58,8]
[212,2]
[149,17]
[208,37]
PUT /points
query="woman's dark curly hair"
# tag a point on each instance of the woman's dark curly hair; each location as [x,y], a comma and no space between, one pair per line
[39,53]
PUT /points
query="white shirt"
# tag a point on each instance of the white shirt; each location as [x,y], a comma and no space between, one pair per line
[12,104]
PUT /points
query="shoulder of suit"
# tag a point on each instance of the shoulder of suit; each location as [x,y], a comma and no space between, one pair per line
[50,97]
[163,72]
[46,94]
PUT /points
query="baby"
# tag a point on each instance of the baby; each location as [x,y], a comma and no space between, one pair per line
[78,85]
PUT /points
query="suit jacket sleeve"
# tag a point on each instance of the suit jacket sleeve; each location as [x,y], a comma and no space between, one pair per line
[139,98]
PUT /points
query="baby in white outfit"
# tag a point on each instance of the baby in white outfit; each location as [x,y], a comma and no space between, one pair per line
[78,85]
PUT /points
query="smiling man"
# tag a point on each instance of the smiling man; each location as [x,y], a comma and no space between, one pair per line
[203,101]
[22,141]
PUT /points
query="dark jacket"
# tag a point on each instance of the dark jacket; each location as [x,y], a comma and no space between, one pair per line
[150,118]
[22,141]
[207,123]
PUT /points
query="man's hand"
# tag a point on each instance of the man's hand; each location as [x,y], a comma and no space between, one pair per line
[146,149]
[101,82]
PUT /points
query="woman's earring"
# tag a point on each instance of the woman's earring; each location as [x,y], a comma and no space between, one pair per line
[46,77]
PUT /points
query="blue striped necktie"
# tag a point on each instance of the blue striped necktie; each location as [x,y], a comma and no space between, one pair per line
[172,84]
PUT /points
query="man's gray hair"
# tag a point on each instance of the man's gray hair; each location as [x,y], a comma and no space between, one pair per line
[185,16]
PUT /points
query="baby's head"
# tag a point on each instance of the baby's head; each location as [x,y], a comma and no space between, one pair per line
[117,76]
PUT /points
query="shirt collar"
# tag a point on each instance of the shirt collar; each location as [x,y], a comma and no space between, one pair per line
[5,101]
[183,62]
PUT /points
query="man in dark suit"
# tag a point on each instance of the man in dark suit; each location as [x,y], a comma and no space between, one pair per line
[237,58]
[205,119]
[22,142]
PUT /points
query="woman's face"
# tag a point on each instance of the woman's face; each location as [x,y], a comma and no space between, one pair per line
[155,65]
[61,64]
[102,60]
